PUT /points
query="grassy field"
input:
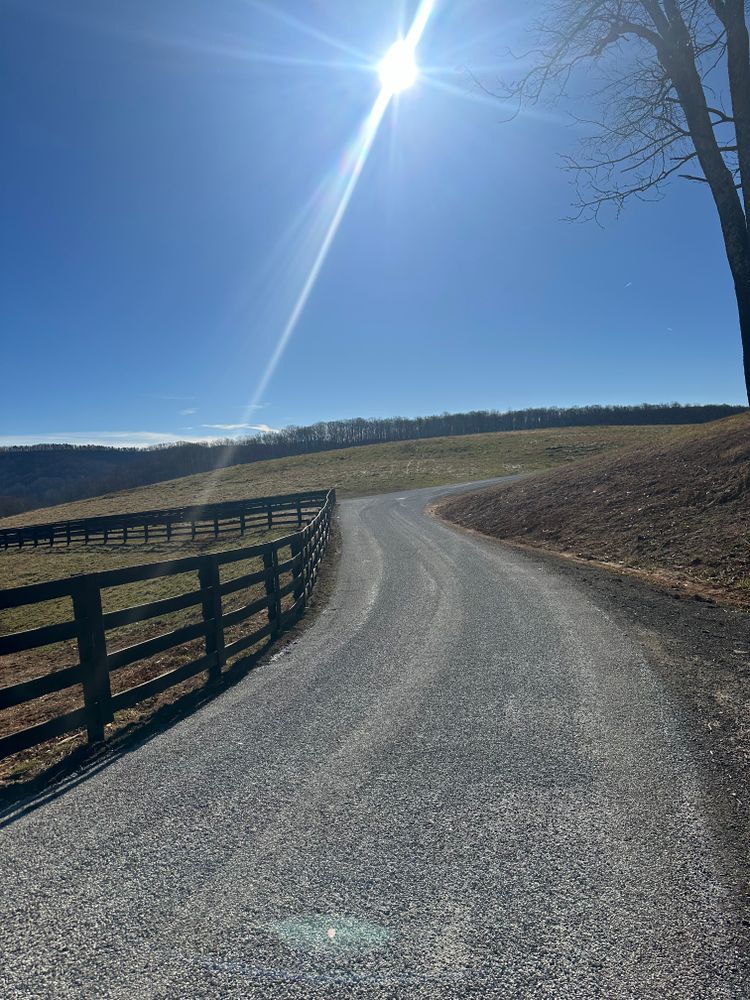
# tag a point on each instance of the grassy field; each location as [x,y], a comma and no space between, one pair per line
[30,565]
[369,469]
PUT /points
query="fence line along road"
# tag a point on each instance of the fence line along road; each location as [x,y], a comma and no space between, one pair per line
[90,624]
[152,525]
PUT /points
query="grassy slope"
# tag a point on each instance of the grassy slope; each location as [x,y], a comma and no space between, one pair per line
[679,507]
[370,469]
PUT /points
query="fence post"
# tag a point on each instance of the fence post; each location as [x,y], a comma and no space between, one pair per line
[297,548]
[92,653]
[314,543]
[210,584]
[270,517]
[305,550]
[299,513]
[271,566]
[298,571]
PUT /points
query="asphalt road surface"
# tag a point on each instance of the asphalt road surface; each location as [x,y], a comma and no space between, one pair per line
[462,780]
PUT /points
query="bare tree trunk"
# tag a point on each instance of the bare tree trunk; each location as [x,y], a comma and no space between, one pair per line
[678,59]
[738,69]
[742,290]
[737,245]
[732,15]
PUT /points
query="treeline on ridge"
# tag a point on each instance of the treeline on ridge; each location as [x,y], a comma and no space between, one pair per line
[45,474]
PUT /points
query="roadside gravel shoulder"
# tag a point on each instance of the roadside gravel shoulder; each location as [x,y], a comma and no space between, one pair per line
[700,650]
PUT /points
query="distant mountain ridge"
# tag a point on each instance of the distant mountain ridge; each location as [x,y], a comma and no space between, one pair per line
[46,474]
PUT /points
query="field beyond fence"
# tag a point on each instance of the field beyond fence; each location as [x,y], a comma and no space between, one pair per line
[105,654]
[197,521]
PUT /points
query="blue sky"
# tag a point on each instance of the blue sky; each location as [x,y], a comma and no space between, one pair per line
[168,173]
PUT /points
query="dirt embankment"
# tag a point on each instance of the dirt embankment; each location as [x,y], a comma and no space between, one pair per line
[677,509]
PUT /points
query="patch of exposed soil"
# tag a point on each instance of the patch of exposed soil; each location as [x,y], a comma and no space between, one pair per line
[679,508]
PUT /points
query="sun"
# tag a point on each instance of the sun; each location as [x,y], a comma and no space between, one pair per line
[398,69]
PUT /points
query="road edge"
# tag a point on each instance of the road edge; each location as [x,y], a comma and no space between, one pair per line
[689,643]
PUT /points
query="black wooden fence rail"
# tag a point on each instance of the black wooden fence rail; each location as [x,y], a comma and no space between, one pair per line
[152,525]
[90,625]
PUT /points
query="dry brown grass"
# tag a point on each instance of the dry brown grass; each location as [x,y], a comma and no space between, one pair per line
[679,508]
[369,469]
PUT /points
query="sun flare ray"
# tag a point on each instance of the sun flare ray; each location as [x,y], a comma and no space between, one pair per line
[402,72]
[306,29]
[356,160]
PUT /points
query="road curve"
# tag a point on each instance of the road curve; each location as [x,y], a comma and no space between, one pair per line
[462,780]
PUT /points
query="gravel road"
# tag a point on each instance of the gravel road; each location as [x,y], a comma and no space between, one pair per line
[462,780]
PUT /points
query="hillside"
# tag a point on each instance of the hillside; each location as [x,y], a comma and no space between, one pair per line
[678,507]
[370,468]
[43,475]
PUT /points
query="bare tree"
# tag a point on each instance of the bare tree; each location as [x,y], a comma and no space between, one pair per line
[672,79]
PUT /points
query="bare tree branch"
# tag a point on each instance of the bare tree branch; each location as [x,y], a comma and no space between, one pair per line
[672,81]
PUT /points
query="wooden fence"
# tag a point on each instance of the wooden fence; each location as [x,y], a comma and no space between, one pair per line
[153,525]
[90,625]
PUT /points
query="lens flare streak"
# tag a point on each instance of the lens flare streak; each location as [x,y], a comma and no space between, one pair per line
[357,159]
[349,175]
